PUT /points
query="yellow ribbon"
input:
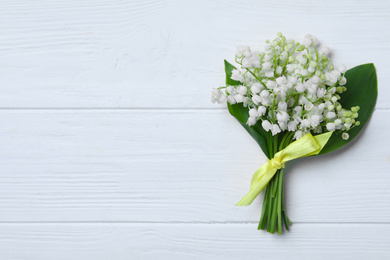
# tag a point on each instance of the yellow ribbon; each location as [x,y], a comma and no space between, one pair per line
[306,146]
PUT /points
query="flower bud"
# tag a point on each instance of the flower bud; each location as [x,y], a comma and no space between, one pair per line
[331,115]
[330,127]
[253,112]
[343,81]
[292,126]
[279,70]
[242,90]
[275,129]
[251,121]
[239,98]
[309,106]
[266,125]
[345,136]
[261,110]
[231,100]
[255,88]
[298,134]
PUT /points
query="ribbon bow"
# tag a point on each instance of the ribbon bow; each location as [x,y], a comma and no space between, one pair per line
[306,146]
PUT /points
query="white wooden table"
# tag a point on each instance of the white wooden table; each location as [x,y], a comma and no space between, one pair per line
[111,148]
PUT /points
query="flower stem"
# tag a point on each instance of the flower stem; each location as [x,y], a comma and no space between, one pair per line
[280,194]
[273,214]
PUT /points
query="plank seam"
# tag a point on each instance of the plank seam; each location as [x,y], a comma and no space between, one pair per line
[179,223]
[126,109]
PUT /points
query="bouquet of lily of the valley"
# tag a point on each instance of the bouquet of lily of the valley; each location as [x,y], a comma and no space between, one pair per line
[295,103]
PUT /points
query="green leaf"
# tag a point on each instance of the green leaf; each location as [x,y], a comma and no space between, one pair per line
[257,132]
[228,69]
[361,91]
[241,113]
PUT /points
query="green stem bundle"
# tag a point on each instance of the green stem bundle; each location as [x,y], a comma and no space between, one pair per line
[273,214]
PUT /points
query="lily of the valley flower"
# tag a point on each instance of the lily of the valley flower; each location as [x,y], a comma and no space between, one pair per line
[290,87]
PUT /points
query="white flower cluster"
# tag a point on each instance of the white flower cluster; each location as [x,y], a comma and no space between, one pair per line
[290,87]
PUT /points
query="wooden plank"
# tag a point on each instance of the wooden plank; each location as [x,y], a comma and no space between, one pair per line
[165,54]
[192,241]
[181,166]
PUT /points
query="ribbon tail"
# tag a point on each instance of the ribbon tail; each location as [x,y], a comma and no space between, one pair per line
[257,188]
[321,140]
[305,146]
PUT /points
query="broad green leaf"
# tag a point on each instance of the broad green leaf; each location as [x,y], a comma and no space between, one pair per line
[361,91]
[228,70]
[257,132]
[241,114]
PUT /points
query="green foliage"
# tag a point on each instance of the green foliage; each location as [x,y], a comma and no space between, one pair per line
[228,70]
[241,114]
[257,132]
[362,91]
